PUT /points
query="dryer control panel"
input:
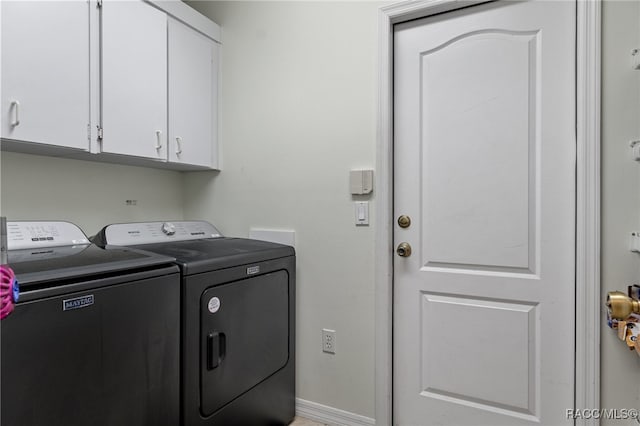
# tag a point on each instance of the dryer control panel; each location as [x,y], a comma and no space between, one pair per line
[32,234]
[128,234]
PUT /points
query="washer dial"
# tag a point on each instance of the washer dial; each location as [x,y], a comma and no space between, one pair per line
[168,228]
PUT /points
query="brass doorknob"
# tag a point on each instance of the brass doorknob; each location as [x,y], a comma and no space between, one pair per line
[404,221]
[404,250]
[621,306]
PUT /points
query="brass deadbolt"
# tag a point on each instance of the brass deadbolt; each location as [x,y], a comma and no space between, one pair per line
[621,306]
[404,250]
[404,221]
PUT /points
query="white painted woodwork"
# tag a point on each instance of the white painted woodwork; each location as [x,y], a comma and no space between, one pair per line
[109,66]
[193,66]
[510,327]
[479,156]
[485,155]
[134,79]
[196,20]
[45,69]
[588,205]
[588,295]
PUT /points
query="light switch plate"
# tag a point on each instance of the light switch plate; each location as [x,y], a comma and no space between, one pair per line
[634,242]
[361,209]
[635,149]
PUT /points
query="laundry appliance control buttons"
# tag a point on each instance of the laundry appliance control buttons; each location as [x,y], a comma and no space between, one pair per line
[168,228]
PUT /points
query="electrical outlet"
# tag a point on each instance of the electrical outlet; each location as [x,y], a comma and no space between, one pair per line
[328,341]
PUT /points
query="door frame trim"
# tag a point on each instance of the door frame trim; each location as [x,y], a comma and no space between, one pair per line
[588,299]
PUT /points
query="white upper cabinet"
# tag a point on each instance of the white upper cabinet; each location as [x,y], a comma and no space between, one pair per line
[193,65]
[45,82]
[159,83]
[134,79]
[132,82]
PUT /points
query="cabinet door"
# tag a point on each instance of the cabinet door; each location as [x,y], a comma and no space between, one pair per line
[193,65]
[45,72]
[134,79]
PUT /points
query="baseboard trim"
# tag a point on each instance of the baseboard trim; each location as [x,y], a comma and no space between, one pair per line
[329,415]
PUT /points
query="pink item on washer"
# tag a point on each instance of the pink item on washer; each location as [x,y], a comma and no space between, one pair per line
[8,291]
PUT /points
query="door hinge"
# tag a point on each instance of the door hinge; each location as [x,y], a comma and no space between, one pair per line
[100,133]
[89,132]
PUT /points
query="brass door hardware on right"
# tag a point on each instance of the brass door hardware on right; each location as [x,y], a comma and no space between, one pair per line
[621,306]
[403,250]
[404,221]
[622,315]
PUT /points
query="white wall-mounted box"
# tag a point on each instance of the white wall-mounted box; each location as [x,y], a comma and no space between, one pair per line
[361,182]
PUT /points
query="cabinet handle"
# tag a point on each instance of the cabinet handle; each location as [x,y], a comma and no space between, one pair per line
[158,139]
[179,145]
[16,110]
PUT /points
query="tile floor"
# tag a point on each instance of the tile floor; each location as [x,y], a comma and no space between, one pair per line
[301,421]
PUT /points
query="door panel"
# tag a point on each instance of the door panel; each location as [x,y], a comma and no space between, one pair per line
[511,329]
[484,153]
[465,81]
[193,63]
[244,337]
[134,79]
[45,72]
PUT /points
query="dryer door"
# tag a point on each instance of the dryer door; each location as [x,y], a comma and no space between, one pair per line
[244,336]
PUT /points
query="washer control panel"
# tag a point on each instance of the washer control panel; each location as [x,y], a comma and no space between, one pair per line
[128,234]
[30,235]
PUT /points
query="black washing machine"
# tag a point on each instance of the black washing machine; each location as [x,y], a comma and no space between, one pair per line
[93,338]
[238,320]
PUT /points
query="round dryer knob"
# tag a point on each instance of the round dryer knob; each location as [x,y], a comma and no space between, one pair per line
[168,228]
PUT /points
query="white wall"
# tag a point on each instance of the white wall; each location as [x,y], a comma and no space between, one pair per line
[87,193]
[620,368]
[298,111]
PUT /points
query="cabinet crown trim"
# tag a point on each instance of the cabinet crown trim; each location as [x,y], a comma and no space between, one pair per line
[189,16]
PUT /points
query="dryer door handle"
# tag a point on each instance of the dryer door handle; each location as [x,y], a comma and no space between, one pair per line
[216,349]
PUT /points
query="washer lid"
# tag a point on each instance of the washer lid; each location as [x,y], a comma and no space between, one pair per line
[48,266]
[43,253]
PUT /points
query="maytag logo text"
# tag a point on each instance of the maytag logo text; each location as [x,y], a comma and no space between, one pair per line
[77,302]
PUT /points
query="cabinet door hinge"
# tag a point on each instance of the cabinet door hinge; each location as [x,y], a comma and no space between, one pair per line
[100,133]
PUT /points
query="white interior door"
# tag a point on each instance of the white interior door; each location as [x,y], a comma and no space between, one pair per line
[484,165]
